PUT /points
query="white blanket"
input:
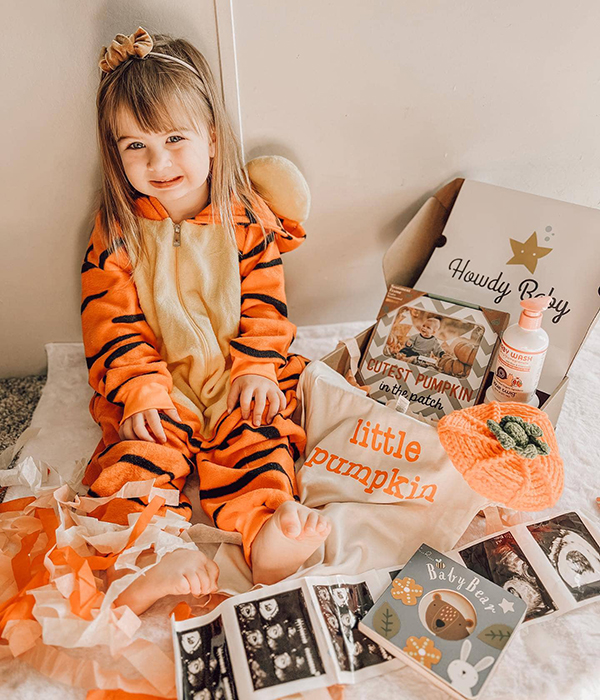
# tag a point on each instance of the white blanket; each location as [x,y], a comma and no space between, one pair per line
[547,661]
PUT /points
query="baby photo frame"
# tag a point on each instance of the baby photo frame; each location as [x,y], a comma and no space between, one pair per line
[433,352]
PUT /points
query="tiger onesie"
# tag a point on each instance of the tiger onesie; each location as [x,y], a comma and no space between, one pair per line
[174,333]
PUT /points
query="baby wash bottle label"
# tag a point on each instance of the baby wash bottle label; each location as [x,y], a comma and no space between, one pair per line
[517,373]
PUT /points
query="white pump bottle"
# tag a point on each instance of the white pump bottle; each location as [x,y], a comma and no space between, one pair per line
[521,356]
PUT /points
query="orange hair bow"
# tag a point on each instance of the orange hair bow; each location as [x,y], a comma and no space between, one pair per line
[123,47]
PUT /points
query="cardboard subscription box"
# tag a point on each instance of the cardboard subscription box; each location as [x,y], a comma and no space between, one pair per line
[517,227]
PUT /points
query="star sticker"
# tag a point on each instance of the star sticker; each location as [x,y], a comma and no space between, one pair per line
[507,606]
[527,253]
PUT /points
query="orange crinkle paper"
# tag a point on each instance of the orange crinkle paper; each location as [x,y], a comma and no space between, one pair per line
[55,601]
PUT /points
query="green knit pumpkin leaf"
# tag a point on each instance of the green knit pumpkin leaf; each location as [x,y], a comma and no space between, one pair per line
[533,430]
[512,419]
[517,434]
[513,433]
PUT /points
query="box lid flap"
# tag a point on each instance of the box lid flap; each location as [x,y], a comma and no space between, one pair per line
[408,255]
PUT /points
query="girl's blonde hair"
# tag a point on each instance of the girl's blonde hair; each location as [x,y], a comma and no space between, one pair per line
[147,89]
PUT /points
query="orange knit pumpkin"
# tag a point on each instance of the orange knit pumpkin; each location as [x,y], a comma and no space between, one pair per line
[503,474]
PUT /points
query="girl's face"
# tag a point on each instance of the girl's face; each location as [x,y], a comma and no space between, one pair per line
[173,167]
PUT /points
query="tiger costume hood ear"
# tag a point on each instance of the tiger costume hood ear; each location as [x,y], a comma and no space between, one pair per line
[281,185]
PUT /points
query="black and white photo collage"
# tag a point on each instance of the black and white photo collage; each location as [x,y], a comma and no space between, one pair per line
[501,560]
[279,640]
[564,541]
[342,606]
[572,551]
[206,666]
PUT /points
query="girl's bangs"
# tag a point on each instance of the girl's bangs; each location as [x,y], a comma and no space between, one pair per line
[157,105]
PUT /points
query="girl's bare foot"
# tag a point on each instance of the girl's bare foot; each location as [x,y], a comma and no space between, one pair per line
[286,541]
[182,572]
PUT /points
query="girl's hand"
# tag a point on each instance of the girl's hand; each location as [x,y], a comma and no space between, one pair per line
[134,427]
[261,389]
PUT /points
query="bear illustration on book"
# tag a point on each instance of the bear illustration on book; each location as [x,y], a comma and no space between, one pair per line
[445,621]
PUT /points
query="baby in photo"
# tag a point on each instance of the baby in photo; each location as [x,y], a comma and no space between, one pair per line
[425,343]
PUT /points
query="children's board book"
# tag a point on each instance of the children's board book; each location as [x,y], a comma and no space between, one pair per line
[553,564]
[279,640]
[432,352]
[503,246]
[445,620]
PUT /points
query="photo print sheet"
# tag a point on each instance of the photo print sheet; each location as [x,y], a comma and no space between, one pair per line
[281,639]
[553,565]
[205,666]
[341,603]
[573,552]
[406,343]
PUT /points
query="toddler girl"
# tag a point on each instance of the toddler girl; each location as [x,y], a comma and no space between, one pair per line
[185,322]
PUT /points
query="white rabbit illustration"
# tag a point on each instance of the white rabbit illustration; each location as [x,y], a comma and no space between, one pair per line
[463,676]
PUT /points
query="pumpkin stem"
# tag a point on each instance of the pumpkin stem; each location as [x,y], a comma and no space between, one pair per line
[514,433]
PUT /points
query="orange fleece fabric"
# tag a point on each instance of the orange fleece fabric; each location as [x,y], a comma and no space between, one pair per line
[172,335]
[245,472]
[196,316]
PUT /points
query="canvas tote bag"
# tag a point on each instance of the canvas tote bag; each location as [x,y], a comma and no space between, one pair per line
[381,476]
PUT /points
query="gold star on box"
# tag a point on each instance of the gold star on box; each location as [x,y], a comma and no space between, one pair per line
[527,253]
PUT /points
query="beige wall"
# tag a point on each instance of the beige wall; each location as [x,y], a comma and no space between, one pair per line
[50,176]
[380,103]
[377,103]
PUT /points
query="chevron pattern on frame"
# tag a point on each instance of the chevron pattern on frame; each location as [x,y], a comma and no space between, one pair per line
[436,353]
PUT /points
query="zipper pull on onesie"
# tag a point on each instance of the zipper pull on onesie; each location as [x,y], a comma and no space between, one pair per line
[177,235]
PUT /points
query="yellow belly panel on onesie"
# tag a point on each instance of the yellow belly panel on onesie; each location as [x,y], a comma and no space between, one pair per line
[190,295]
